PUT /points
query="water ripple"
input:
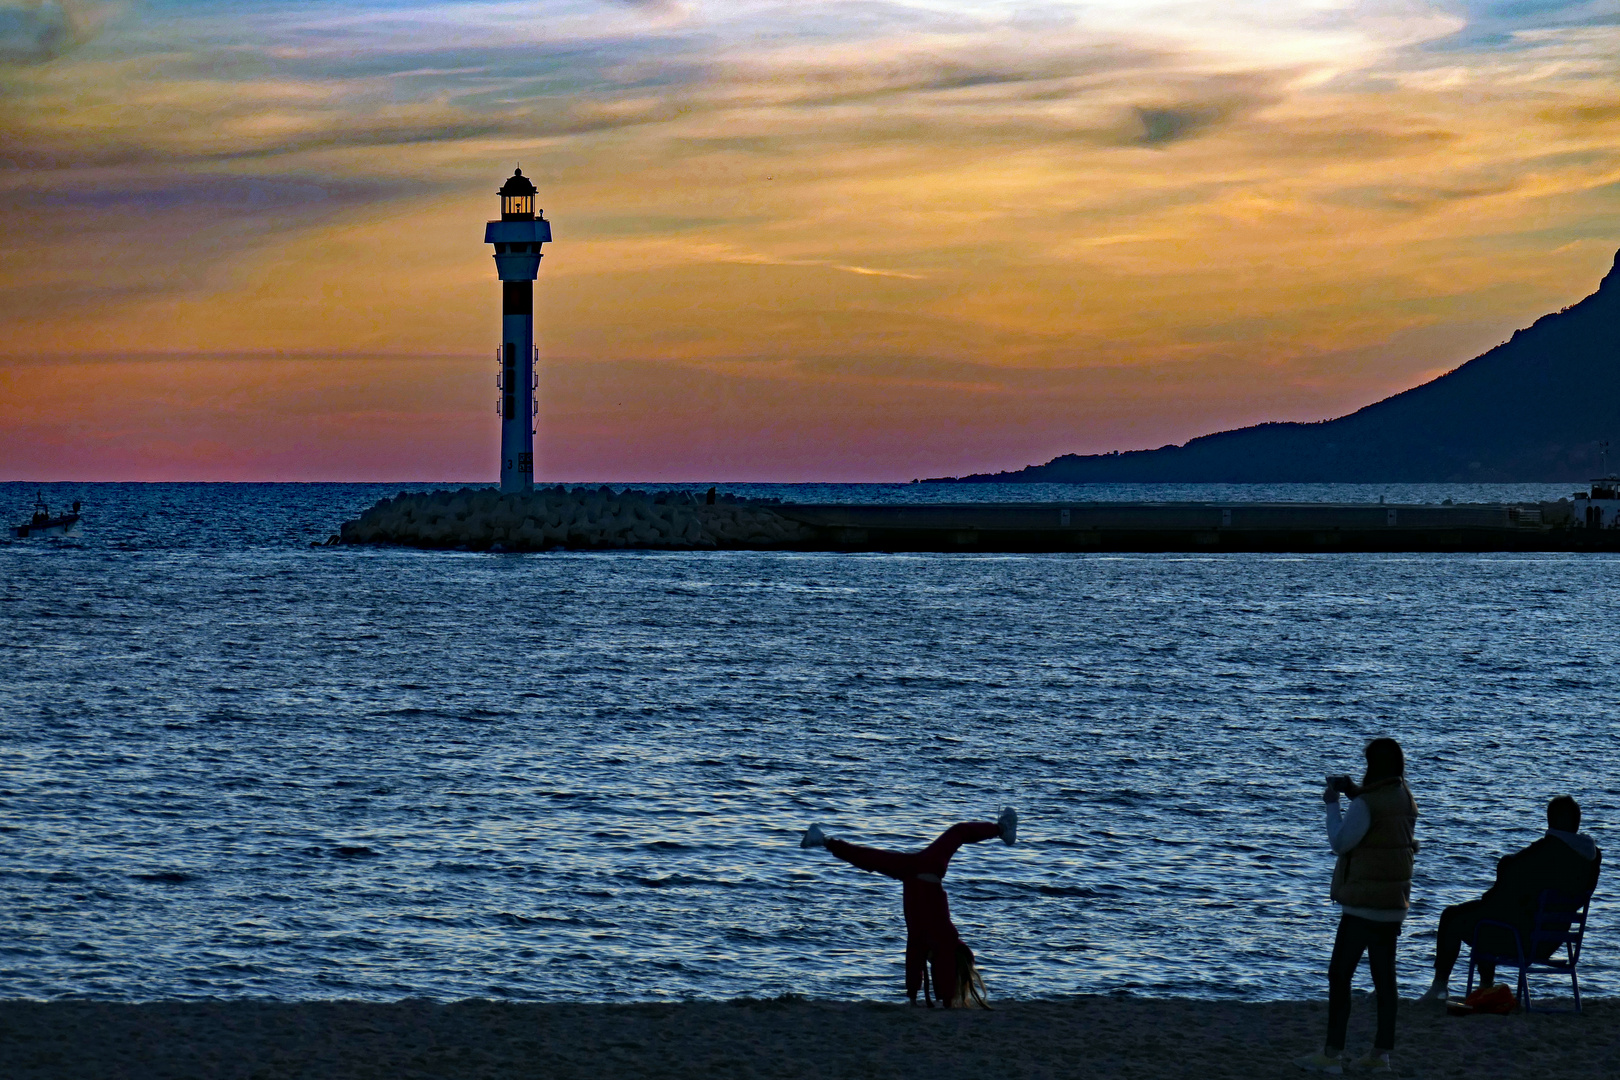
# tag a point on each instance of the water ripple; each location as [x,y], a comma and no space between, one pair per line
[232,765]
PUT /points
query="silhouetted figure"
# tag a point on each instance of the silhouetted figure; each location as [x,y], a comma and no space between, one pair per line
[1565,859]
[931,937]
[1372,884]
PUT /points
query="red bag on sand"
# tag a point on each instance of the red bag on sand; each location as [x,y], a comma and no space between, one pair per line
[1495,1000]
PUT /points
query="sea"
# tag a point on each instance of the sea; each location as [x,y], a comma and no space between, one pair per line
[235,765]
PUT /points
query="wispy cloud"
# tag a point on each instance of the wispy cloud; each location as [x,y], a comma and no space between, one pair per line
[34,31]
[722,253]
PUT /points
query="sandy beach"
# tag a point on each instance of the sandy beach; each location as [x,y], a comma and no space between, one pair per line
[1085,1037]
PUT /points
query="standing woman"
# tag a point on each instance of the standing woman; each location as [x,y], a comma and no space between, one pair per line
[1372,884]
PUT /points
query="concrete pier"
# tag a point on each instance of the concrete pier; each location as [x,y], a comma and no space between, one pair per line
[595,519]
[1298,527]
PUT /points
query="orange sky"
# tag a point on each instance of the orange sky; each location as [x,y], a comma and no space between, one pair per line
[794,241]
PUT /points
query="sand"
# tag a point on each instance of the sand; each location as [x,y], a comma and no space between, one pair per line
[1084,1037]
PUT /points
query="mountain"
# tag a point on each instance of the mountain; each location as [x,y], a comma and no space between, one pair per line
[1532,409]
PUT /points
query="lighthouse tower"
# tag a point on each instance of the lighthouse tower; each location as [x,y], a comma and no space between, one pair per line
[517,238]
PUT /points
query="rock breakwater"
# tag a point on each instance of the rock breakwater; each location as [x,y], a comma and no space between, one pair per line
[578,518]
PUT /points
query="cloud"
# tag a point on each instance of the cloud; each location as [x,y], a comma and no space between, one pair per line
[865,182]
[724,253]
[654,7]
[174,110]
[1415,198]
[34,31]
[224,195]
[283,82]
[115,113]
[1168,125]
[109,239]
[1591,113]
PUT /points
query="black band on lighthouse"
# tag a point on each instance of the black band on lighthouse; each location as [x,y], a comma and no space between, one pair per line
[517,298]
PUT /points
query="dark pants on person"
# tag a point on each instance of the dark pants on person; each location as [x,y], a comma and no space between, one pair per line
[1457,925]
[1376,939]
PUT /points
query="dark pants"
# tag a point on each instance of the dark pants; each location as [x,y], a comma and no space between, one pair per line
[1457,925]
[1377,940]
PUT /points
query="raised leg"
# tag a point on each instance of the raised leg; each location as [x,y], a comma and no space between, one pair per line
[963,832]
[893,864]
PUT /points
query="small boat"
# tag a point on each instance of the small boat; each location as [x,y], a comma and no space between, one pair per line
[1599,508]
[44,524]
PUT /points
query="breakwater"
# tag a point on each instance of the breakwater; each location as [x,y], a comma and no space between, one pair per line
[1279,527]
[578,518]
[604,518]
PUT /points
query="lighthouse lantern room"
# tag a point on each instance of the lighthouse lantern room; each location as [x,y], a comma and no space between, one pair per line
[517,237]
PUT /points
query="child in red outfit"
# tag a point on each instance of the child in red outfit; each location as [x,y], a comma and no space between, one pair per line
[930,934]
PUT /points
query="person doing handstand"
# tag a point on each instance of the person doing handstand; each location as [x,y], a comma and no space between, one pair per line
[931,937]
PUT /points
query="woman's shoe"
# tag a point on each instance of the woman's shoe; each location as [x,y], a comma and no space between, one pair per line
[1320,1062]
[1374,1065]
[1009,825]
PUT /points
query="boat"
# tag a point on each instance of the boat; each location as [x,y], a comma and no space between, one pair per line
[43,523]
[1599,507]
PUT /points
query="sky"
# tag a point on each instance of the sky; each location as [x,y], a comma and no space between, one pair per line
[835,241]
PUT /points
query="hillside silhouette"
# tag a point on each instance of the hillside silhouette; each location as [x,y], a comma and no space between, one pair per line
[1533,409]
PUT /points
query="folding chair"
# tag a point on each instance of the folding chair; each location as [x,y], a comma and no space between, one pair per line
[1560,924]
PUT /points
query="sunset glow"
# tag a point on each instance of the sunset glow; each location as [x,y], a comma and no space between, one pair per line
[793,241]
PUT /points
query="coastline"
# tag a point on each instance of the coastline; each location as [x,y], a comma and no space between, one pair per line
[493,1040]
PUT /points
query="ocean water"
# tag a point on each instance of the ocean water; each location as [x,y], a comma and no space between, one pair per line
[232,765]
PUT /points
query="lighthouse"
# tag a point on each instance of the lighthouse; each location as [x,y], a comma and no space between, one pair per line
[517,238]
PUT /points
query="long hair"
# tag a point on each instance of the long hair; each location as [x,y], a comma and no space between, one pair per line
[1384,761]
[969,984]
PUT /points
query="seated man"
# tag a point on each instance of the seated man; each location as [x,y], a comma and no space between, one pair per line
[1565,859]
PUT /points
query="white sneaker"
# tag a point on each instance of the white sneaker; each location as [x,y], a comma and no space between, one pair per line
[1320,1062]
[813,837]
[1436,994]
[1009,825]
[1374,1064]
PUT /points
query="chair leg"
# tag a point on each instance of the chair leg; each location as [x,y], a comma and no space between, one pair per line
[1524,989]
[1469,989]
[1575,981]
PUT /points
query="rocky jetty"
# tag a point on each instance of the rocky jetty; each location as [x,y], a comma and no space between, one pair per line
[580,518]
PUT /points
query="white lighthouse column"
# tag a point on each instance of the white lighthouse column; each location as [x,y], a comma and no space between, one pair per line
[517,238]
[516,383]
